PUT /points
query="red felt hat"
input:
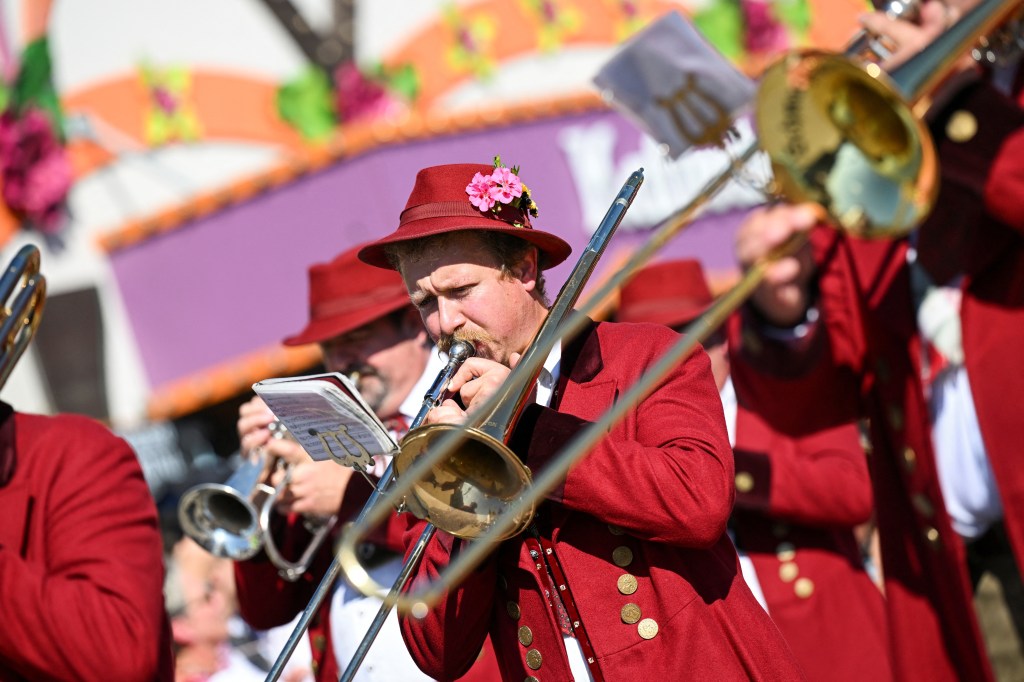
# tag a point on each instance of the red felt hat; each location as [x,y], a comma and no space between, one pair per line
[672,293]
[346,294]
[440,203]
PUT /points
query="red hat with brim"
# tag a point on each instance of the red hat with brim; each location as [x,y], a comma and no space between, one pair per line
[439,204]
[346,294]
[672,293]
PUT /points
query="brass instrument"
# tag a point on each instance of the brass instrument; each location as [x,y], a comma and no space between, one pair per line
[22,314]
[862,138]
[232,519]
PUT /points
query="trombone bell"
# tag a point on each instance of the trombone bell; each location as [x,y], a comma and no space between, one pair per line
[467,491]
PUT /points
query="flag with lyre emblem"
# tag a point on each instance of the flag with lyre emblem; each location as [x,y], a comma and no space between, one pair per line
[676,85]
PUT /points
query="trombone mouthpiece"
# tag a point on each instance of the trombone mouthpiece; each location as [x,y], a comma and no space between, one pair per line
[461,351]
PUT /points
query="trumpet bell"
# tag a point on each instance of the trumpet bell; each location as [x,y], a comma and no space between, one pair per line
[224,521]
[466,492]
[840,134]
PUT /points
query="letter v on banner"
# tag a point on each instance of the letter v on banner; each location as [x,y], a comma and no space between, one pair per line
[675,85]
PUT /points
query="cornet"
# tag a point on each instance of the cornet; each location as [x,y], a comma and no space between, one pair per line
[232,519]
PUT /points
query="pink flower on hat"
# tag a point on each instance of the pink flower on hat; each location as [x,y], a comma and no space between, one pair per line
[507,185]
[482,191]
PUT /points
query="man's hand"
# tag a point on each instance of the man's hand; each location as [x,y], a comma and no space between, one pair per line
[909,38]
[784,295]
[315,488]
[476,381]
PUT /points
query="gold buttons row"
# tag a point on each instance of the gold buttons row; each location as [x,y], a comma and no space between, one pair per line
[626,584]
[534,659]
[744,482]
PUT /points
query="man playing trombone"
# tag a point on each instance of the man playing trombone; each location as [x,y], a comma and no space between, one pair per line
[919,336]
[361,318]
[626,568]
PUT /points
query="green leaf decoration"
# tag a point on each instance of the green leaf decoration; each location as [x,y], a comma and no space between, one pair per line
[721,23]
[34,83]
[404,81]
[307,104]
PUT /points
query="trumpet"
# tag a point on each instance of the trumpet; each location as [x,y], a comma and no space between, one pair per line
[844,135]
[232,519]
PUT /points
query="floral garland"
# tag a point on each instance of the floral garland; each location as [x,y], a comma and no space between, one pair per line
[501,187]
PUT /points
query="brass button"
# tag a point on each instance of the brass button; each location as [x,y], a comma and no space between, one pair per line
[788,572]
[648,628]
[744,482]
[780,530]
[525,636]
[622,556]
[502,582]
[923,505]
[630,613]
[531,678]
[626,583]
[319,643]
[882,369]
[615,530]
[534,659]
[315,667]
[962,126]
[896,417]
[932,536]
[804,588]
[909,459]
[513,610]
[785,551]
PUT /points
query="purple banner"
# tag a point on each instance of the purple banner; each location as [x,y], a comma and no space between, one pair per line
[235,281]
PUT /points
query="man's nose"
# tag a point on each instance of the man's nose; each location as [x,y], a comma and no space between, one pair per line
[449,316]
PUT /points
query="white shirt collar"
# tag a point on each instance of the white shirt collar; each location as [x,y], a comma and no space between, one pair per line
[548,377]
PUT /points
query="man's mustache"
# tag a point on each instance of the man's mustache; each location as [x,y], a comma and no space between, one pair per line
[474,337]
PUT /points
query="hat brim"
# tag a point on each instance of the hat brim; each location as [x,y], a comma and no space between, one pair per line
[325,329]
[553,249]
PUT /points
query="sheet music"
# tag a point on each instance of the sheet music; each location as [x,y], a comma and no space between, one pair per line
[328,417]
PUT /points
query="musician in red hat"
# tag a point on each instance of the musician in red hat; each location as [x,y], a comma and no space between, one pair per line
[626,568]
[361,318]
[797,501]
[917,335]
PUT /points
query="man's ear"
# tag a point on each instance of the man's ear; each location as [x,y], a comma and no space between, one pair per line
[527,270]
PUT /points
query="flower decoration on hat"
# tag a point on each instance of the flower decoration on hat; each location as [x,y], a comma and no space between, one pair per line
[501,188]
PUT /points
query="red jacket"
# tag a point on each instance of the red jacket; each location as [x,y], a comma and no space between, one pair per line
[81,563]
[661,486]
[797,502]
[866,361]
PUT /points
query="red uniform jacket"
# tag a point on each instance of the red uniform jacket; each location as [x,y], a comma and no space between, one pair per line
[867,362]
[797,502]
[81,564]
[661,486]
[267,600]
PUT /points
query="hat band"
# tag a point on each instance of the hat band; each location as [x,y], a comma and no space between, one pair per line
[350,303]
[463,209]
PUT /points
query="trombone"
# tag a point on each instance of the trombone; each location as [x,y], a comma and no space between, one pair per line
[848,137]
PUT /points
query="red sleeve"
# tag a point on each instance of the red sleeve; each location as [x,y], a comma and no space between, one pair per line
[676,458]
[446,643]
[96,611]
[820,479]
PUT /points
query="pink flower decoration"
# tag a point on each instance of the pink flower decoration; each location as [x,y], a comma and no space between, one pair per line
[507,185]
[359,97]
[34,169]
[764,32]
[482,191]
